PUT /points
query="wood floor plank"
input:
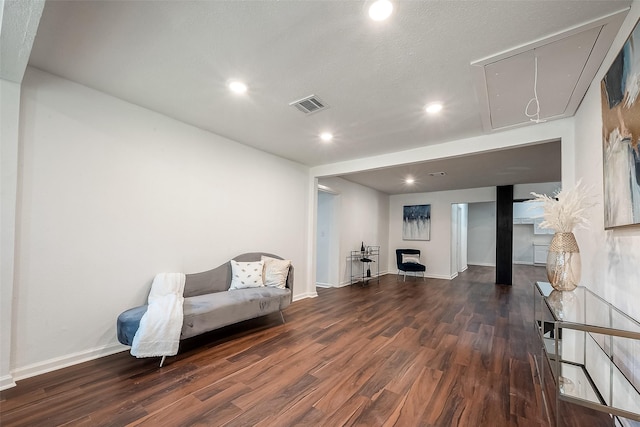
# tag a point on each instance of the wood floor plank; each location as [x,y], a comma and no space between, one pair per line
[414,405]
[346,414]
[405,378]
[417,353]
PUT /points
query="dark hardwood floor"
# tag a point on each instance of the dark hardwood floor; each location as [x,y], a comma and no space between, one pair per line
[414,353]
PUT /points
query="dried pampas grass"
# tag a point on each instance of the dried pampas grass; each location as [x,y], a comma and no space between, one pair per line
[566,210]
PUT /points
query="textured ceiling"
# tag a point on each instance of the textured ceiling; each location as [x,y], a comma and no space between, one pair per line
[529,164]
[18,25]
[175,57]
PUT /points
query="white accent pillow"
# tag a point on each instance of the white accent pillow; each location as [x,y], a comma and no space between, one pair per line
[275,272]
[246,275]
[410,259]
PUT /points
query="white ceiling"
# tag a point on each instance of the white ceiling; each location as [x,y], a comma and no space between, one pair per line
[175,57]
[18,26]
[522,165]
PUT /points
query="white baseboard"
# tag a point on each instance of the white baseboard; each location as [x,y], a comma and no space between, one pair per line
[56,363]
[323,285]
[465,268]
[523,262]
[428,276]
[7,382]
[65,361]
[483,264]
[305,295]
[440,276]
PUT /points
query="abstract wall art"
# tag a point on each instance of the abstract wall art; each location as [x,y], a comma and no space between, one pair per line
[620,89]
[416,222]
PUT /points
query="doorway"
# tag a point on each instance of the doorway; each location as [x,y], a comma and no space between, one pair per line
[481,242]
[459,225]
[327,239]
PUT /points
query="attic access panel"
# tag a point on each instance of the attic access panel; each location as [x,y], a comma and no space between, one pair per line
[567,63]
[560,65]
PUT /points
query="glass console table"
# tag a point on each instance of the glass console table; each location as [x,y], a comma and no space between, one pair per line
[592,349]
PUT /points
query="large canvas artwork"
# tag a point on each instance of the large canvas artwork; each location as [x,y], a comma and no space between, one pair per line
[620,90]
[416,222]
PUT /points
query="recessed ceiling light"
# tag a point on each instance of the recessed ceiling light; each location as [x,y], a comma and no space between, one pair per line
[434,107]
[380,10]
[409,180]
[237,87]
[326,136]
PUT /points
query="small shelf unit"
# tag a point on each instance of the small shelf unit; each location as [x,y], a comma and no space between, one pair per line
[362,264]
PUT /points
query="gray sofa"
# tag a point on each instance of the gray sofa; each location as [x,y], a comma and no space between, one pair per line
[209,304]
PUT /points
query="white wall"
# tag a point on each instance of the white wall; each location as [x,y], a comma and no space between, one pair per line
[435,253]
[363,217]
[111,194]
[610,258]
[9,125]
[481,241]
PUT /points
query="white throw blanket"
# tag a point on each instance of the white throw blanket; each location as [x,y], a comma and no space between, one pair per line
[160,327]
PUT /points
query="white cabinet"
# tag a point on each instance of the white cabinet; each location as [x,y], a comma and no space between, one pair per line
[540,253]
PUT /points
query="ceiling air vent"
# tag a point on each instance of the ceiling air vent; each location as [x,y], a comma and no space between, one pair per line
[309,104]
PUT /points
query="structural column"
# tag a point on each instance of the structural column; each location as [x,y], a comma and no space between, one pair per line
[504,235]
